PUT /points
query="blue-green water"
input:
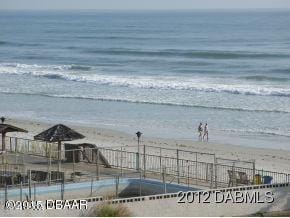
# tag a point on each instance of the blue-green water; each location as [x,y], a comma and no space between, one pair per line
[158,72]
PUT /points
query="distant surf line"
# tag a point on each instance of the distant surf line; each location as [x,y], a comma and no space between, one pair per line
[144,102]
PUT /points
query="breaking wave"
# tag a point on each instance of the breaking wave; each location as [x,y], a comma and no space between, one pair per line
[125,100]
[79,74]
[205,54]
[257,132]
[10,43]
[265,78]
[79,67]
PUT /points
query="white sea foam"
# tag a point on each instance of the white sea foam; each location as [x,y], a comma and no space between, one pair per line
[256,132]
[128,99]
[67,72]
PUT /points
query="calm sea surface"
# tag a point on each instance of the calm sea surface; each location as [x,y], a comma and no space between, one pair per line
[157,72]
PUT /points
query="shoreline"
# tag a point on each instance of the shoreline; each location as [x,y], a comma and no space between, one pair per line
[158,121]
[267,159]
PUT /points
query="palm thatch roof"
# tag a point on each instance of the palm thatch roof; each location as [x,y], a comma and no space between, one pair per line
[4,128]
[59,133]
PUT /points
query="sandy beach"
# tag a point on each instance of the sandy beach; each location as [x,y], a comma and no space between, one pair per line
[108,71]
[266,159]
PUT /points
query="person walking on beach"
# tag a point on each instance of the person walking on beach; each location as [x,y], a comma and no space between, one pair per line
[205,133]
[200,132]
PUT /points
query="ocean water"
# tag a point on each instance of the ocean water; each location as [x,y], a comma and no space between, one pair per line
[160,72]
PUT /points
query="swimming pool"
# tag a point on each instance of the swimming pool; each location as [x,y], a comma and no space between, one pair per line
[124,187]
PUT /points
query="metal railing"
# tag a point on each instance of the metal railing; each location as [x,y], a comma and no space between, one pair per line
[277,177]
[29,146]
[192,165]
[62,188]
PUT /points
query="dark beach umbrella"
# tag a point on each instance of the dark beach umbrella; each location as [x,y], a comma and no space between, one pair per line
[59,133]
[5,128]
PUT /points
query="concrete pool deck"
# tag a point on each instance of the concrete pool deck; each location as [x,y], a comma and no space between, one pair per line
[167,204]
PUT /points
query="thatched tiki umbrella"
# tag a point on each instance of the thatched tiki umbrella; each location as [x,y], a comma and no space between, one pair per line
[59,133]
[5,128]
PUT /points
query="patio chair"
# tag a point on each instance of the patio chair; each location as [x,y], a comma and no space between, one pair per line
[243,178]
[232,178]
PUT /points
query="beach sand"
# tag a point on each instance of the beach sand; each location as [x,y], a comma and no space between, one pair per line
[266,159]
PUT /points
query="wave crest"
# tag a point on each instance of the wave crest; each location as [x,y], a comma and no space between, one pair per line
[257,132]
[148,102]
[205,54]
[265,78]
[141,82]
[80,67]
